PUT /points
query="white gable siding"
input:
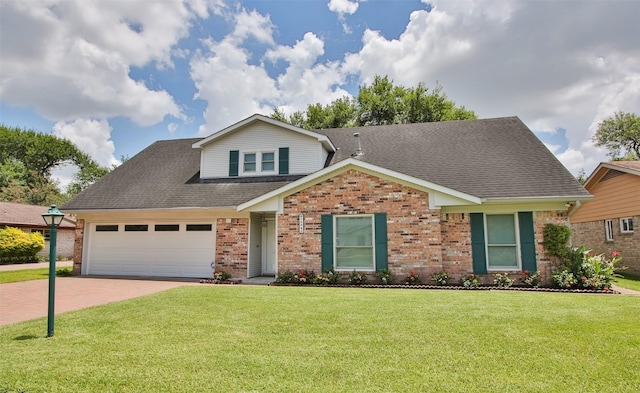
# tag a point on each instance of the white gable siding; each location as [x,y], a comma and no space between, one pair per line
[306,154]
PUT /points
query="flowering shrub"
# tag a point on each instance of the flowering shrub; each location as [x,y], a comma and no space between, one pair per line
[502,280]
[304,277]
[530,279]
[221,276]
[440,278]
[285,277]
[469,281]
[586,270]
[563,279]
[386,277]
[412,278]
[329,277]
[356,278]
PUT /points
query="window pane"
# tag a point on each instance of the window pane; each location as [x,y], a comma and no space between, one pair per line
[501,229]
[106,228]
[250,162]
[268,161]
[198,227]
[354,258]
[354,231]
[503,256]
[167,227]
[136,228]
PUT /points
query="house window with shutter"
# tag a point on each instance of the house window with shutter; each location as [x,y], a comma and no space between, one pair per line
[502,242]
[354,242]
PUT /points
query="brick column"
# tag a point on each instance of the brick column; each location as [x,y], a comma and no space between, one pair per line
[77,246]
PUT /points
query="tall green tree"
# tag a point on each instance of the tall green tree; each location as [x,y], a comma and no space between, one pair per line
[378,104]
[620,134]
[27,158]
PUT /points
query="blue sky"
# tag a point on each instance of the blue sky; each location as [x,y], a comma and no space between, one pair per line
[114,76]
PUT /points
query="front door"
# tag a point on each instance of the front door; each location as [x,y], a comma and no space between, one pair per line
[269,247]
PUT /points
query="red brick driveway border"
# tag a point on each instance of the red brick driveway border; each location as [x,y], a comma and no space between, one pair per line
[26,300]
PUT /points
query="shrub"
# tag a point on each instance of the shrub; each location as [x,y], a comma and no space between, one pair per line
[502,280]
[563,279]
[556,238]
[221,276]
[469,281]
[64,273]
[530,279]
[304,277]
[285,277]
[356,278]
[17,245]
[440,278]
[386,277]
[329,277]
[412,278]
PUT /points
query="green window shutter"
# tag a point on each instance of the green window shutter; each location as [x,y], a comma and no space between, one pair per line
[380,220]
[478,249]
[527,241]
[283,161]
[327,241]
[234,156]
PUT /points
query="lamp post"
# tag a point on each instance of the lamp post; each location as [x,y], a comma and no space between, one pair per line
[53,217]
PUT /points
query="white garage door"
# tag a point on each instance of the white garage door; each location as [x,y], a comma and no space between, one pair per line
[151,249]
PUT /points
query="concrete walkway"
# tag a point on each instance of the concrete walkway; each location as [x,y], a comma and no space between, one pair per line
[39,265]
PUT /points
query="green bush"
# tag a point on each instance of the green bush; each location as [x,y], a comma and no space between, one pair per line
[503,280]
[17,245]
[356,278]
[285,277]
[386,277]
[556,238]
[582,269]
[440,278]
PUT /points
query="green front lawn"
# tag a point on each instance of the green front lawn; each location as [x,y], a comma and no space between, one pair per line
[628,281]
[26,275]
[219,338]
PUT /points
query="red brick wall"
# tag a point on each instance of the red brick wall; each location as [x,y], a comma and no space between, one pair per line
[77,247]
[540,219]
[456,245]
[232,244]
[414,233]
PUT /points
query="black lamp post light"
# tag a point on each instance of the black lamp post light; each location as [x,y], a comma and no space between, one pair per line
[53,217]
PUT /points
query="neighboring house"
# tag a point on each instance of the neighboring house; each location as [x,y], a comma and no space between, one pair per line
[261,196]
[29,219]
[611,222]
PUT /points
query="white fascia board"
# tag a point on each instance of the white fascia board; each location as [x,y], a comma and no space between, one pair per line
[326,142]
[565,198]
[343,166]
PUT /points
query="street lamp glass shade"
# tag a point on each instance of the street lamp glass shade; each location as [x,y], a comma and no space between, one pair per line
[53,217]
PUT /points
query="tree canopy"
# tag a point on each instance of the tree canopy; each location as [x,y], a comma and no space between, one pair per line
[620,134]
[27,158]
[380,103]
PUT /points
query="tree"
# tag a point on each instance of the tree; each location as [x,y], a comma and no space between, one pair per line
[620,134]
[27,158]
[378,104]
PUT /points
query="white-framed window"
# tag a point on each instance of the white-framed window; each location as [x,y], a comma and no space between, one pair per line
[626,225]
[354,245]
[608,230]
[502,242]
[268,162]
[249,162]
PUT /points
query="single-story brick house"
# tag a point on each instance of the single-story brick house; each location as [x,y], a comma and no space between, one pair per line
[29,219]
[610,221]
[261,196]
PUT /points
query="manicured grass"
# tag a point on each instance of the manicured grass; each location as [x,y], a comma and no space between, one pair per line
[629,281]
[27,275]
[220,338]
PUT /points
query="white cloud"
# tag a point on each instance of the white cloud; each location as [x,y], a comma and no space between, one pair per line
[342,8]
[72,59]
[543,61]
[91,136]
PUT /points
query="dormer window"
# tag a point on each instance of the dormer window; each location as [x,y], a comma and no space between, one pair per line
[268,162]
[249,162]
[254,162]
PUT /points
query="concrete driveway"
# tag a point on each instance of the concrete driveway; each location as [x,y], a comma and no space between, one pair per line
[22,301]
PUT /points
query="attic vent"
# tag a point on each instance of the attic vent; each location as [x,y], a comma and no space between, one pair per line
[358,151]
[611,174]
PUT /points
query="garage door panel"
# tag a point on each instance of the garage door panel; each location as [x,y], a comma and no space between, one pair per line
[152,253]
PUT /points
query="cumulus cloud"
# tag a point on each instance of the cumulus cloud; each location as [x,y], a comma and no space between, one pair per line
[342,8]
[91,136]
[543,61]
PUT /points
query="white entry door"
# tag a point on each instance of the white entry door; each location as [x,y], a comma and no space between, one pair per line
[269,247]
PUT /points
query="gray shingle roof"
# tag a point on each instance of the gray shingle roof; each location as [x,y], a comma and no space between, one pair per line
[162,177]
[492,158]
